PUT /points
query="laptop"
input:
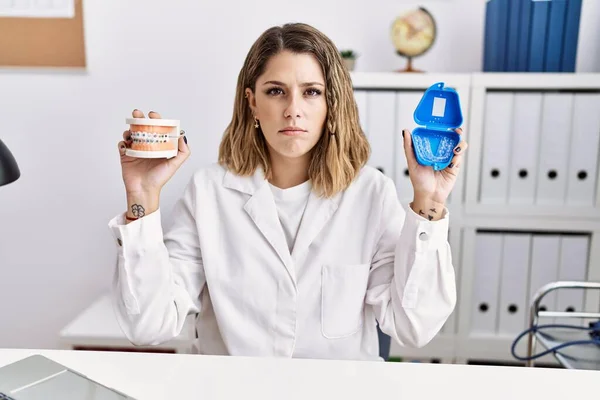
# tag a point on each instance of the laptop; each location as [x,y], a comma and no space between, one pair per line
[37,377]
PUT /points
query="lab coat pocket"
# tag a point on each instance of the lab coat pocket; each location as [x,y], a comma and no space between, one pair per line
[343,290]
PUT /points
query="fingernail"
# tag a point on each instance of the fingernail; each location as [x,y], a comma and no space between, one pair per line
[451,165]
[185,139]
[457,149]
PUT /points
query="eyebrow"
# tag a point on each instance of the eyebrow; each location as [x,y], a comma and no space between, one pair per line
[302,84]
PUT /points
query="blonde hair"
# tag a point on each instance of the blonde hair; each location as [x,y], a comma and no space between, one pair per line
[342,149]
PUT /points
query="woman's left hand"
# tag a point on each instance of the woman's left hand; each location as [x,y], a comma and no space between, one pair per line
[430,185]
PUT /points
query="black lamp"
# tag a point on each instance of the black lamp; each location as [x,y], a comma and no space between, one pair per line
[9,170]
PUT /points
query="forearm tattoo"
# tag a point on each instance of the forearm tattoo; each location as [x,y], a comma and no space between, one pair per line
[430,217]
[138,211]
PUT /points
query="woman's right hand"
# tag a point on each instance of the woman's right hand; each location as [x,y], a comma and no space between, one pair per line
[149,175]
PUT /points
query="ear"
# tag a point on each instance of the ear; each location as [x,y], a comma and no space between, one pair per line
[251,100]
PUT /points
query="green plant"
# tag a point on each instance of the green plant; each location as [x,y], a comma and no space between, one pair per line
[350,54]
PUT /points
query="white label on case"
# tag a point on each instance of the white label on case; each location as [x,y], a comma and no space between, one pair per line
[439,107]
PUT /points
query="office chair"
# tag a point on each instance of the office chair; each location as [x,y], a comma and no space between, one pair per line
[384,344]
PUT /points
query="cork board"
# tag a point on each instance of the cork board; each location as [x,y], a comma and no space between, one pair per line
[43,42]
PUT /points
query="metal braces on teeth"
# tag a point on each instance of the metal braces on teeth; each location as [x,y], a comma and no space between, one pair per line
[149,137]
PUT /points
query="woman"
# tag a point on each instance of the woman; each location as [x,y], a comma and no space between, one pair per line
[289,246]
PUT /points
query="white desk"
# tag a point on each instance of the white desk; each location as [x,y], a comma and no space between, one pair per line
[97,328]
[148,376]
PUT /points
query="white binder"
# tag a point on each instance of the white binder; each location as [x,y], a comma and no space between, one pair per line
[488,261]
[545,251]
[572,267]
[524,149]
[583,159]
[496,147]
[406,103]
[513,284]
[360,96]
[554,148]
[381,108]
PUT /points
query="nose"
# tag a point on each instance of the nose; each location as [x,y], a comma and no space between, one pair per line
[292,108]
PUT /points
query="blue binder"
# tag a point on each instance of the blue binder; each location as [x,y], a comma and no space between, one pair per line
[531,35]
[492,19]
[524,35]
[569,56]
[554,43]
[502,35]
[539,26]
[514,30]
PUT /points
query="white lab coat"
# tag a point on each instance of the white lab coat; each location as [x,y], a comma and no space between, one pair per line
[358,258]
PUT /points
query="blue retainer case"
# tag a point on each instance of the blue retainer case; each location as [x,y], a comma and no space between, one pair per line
[439,114]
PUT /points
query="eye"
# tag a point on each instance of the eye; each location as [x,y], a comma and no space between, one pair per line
[274,91]
[313,92]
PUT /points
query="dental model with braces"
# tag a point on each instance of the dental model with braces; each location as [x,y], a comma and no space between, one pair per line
[153,137]
[149,137]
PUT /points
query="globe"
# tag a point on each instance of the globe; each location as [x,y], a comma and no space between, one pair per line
[413,33]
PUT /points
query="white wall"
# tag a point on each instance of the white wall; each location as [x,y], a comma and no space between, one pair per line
[588,50]
[180,58]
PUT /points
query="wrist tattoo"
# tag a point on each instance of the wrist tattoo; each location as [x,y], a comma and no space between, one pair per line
[138,211]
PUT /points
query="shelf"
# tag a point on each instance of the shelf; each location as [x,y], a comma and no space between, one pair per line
[441,347]
[536,81]
[529,224]
[489,80]
[530,210]
[585,219]
[97,327]
[396,80]
[469,215]
[496,348]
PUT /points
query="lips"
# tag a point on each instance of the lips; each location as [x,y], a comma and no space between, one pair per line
[292,131]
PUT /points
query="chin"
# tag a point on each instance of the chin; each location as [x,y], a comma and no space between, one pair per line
[291,149]
[292,153]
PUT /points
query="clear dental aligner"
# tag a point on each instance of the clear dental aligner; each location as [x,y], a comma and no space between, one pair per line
[444,149]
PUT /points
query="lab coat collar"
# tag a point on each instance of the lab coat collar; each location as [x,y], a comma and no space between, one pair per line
[245,184]
[262,210]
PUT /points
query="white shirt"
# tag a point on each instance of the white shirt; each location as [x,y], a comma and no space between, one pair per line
[290,204]
[359,259]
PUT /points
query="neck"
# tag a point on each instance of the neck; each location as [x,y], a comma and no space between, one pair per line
[288,172]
